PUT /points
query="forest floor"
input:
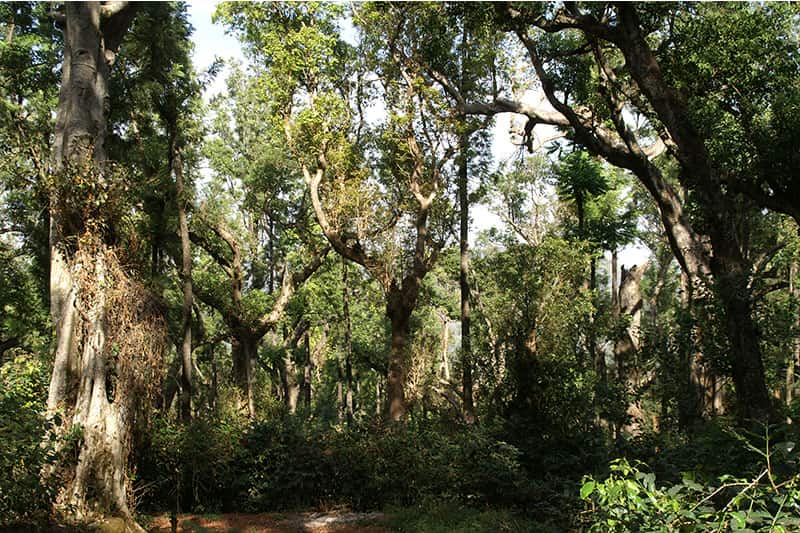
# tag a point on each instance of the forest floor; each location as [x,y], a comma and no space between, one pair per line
[330,522]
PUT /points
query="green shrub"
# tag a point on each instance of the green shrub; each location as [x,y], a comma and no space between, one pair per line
[629,499]
[192,466]
[24,496]
[287,462]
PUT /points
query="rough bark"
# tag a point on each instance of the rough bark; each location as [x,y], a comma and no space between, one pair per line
[629,300]
[80,309]
[399,307]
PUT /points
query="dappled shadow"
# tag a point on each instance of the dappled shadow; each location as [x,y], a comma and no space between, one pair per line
[339,522]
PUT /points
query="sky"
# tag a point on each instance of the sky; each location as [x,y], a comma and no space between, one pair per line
[210,42]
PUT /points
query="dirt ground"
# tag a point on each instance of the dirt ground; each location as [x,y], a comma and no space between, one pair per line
[338,522]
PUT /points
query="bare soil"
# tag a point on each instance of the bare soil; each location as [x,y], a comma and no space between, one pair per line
[327,522]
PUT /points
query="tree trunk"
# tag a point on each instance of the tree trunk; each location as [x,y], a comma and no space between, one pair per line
[245,351]
[214,377]
[291,389]
[445,346]
[466,344]
[614,283]
[348,344]
[400,303]
[340,407]
[80,311]
[753,401]
[305,386]
[597,356]
[629,303]
[690,402]
[378,399]
[795,355]
[399,318]
[186,283]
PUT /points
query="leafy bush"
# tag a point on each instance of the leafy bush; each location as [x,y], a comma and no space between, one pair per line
[23,494]
[288,462]
[629,499]
[191,466]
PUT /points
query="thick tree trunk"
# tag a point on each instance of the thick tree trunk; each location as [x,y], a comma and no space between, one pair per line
[399,307]
[245,351]
[100,478]
[629,303]
[80,309]
[753,401]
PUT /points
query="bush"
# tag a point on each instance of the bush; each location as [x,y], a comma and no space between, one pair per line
[629,499]
[24,496]
[287,463]
[193,466]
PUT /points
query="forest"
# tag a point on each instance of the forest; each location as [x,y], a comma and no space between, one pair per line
[413,266]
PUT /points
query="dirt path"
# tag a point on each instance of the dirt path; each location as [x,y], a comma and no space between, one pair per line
[339,522]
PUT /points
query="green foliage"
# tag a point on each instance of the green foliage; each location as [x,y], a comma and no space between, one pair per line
[288,463]
[630,500]
[193,466]
[23,493]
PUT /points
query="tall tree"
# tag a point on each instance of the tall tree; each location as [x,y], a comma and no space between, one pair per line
[595,60]
[107,332]
[397,235]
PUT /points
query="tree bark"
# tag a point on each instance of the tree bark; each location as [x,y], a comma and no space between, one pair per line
[305,385]
[692,394]
[400,305]
[753,400]
[615,284]
[245,353]
[186,285]
[80,309]
[597,356]
[629,303]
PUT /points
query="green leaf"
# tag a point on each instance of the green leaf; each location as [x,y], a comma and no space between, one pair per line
[587,489]
[738,520]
